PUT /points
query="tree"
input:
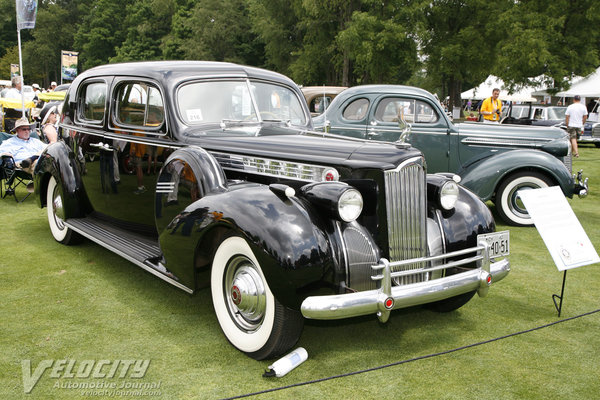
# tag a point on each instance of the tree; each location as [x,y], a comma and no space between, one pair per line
[458,42]
[147,22]
[379,43]
[101,31]
[548,39]
[221,31]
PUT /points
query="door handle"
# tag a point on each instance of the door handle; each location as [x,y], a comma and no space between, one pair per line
[102,146]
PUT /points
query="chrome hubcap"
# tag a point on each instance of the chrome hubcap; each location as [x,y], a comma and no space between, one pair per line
[57,209]
[516,204]
[245,293]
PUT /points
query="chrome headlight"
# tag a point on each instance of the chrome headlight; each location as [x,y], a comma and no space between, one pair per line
[350,205]
[339,200]
[448,195]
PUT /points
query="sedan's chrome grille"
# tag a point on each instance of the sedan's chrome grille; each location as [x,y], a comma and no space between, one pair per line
[405,191]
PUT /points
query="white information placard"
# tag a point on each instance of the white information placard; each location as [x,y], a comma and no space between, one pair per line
[559,228]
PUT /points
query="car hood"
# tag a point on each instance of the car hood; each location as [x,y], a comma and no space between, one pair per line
[280,142]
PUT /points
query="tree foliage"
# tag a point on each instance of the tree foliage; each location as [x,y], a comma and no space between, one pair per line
[441,45]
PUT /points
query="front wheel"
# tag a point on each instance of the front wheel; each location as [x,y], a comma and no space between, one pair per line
[250,316]
[508,203]
[56,215]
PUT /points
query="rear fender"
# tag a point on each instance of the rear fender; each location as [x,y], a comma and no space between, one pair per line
[484,176]
[59,161]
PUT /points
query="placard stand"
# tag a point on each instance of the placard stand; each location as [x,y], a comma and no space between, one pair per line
[562,295]
[563,235]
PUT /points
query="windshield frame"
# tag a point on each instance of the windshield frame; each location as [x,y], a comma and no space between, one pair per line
[257,118]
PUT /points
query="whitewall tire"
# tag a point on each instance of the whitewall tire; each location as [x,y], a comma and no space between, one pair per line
[56,215]
[508,203]
[249,315]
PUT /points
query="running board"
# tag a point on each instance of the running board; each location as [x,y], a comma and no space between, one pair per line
[138,249]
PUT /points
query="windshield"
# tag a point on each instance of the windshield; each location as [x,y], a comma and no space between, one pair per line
[556,112]
[242,101]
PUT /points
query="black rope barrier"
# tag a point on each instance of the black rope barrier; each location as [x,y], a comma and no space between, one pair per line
[412,359]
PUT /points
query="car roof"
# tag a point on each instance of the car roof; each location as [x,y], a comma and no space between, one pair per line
[388,89]
[163,70]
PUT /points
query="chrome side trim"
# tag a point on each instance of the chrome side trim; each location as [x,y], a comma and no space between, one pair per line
[272,167]
[501,142]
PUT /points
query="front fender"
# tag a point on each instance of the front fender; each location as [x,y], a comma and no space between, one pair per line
[285,236]
[461,225]
[483,176]
[59,161]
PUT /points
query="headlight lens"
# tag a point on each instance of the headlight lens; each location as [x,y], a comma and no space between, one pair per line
[448,195]
[350,205]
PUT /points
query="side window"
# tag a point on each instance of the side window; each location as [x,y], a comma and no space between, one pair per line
[319,104]
[357,110]
[393,109]
[139,104]
[93,101]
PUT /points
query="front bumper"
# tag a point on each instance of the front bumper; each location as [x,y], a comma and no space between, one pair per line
[381,301]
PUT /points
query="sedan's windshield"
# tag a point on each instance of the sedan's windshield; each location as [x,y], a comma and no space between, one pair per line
[246,101]
[556,112]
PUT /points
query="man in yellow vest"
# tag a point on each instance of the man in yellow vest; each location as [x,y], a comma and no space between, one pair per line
[492,107]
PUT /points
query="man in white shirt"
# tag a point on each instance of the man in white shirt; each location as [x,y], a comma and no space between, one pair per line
[575,118]
[12,114]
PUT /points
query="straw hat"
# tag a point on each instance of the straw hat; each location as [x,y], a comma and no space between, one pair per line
[21,122]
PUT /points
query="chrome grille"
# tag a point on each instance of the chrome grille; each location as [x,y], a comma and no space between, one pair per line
[361,257]
[406,203]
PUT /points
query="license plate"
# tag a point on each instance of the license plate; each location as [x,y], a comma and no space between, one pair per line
[498,243]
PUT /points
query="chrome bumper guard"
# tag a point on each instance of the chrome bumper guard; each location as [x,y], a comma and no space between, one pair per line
[581,185]
[381,301]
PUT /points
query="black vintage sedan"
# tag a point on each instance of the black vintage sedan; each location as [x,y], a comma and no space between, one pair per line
[226,186]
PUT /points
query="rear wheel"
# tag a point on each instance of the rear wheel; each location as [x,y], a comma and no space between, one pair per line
[508,203]
[250,316]
[56,215]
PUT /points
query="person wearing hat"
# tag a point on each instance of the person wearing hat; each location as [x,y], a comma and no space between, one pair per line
[575,118]
[52,86]
[24,149]
[36,91]
[49,116]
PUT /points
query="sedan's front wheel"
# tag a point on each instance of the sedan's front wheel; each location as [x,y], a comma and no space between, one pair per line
[250,316]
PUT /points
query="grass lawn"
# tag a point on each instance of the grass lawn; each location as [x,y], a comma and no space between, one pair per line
[85,303]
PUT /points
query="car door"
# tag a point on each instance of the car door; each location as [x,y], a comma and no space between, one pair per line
[429,129]
[122,160]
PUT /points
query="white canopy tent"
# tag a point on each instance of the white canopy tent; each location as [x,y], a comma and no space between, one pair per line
[484,90]
[586,87]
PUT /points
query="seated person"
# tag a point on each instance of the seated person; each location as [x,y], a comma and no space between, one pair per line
[24,149]
[49,118]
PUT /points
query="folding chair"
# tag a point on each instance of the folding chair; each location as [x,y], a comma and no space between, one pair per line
[12,177]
